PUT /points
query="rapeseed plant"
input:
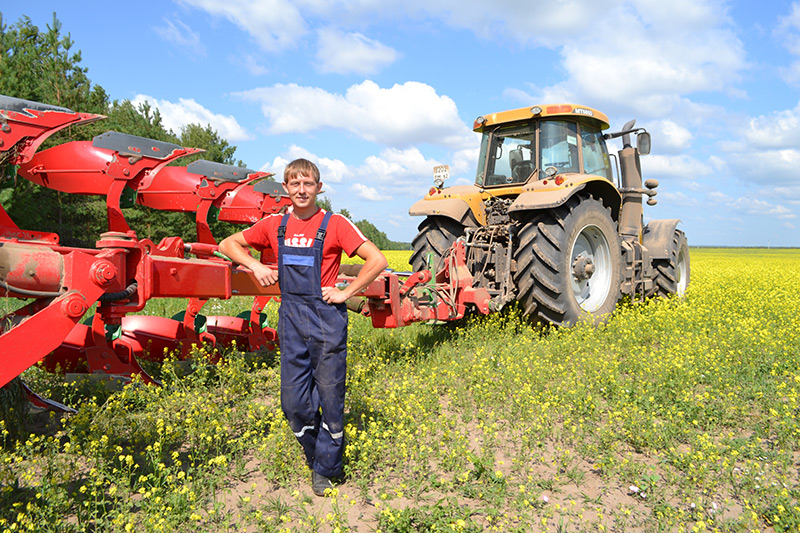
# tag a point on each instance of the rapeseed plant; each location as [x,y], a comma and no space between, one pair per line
[492,424]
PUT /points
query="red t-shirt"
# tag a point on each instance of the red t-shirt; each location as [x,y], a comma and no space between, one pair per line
[341,235]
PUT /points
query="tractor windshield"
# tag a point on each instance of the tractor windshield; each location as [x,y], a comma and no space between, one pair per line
[560,146]
[508,154]
[595,152]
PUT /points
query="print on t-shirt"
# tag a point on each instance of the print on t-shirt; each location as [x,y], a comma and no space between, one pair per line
[299,241]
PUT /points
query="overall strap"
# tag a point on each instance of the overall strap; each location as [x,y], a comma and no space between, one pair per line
[282,227]
[323,228]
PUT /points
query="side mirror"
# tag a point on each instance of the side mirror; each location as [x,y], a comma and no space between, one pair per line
[643,143]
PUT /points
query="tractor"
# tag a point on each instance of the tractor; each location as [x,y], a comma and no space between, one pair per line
[545,224]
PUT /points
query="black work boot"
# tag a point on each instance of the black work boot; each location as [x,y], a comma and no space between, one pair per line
[320,483]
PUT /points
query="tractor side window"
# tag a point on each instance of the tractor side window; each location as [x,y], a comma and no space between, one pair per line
[595,152]
[510,156]
[559,142]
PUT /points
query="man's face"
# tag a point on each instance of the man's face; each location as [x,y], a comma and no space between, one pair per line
[302,191]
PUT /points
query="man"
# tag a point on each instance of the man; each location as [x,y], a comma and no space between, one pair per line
[312,323]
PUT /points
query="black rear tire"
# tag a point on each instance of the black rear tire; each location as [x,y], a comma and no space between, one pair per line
[672,274]
[436,235]
[569,263]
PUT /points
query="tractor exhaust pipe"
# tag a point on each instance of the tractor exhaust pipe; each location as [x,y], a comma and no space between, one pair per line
[630,219]
[631,213]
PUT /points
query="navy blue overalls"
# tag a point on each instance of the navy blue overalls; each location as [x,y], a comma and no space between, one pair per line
[313,341]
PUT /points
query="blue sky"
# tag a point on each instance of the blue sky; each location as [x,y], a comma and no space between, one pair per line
[377,92]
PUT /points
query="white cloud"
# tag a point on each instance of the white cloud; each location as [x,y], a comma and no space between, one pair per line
[789,194]
[753,206]
[398,221]
[187,111]
[279,24]
[719,197]
[251,63]
[678,198]
[788,30]
[464,162]
[767,151]
[397,167]
[330,170]
[384,177]
[368,193]
[351,53]
[771,166]
[781,129]
[537,23]
[718,163]
[670,136]
[274,24]
[411,113]
[791,73]
[182,36]
[682,167]
[645,54]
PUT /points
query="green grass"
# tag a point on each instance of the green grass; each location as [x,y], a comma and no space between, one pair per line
[675,415]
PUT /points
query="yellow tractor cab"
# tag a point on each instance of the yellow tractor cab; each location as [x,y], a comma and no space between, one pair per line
[529,143]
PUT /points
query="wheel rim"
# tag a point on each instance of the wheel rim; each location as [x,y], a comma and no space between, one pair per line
[680,273]
[590,264]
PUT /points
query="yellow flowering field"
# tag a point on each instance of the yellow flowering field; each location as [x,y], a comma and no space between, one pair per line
[674,415]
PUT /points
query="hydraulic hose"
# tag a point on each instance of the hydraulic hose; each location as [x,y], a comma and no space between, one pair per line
[129,291]
[31,293]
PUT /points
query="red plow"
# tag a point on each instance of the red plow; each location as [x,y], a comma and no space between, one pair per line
[60,285]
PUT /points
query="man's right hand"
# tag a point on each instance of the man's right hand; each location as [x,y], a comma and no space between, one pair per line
[236,249]
[264,274]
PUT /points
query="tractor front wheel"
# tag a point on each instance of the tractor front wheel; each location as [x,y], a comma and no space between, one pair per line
[569,263]
[436,235]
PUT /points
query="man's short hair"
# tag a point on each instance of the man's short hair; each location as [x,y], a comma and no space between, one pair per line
[300,167]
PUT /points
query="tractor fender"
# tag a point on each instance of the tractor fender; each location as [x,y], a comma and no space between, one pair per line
[543,199]
[550,198]
[455,208]
[657,237]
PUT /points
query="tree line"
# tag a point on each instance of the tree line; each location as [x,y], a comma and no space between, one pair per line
[43,66]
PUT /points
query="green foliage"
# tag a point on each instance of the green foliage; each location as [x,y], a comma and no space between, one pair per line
[369,230]
[41,66]
[142,121]
[374,234]
[379,238]
[323,202]
[12,412]
[216,148]
[443,516]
